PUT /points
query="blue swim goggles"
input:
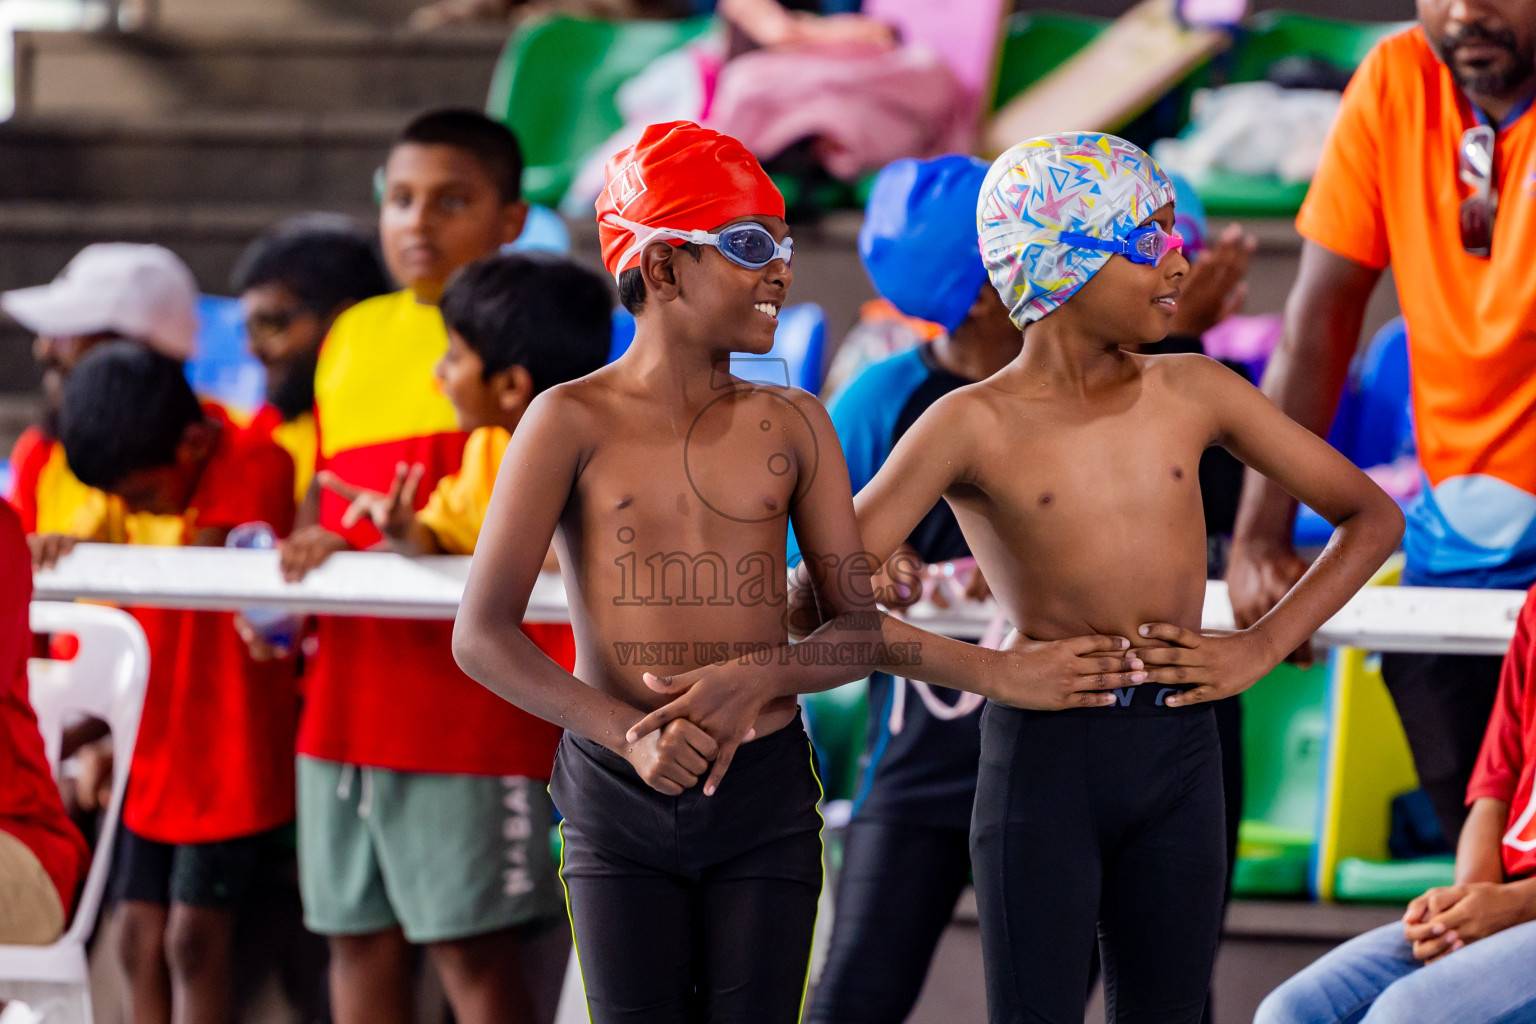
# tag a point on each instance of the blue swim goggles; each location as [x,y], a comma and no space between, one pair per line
[1147,244]
[747,244]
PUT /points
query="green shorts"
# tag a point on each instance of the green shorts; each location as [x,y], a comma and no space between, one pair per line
[443,856]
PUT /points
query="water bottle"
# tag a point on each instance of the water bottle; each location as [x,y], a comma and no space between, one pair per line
[274,625]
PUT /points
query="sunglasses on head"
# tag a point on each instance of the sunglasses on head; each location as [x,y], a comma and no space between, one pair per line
[747,244]
[1474,160]
[1147,244]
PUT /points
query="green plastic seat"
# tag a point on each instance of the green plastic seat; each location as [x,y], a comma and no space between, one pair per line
[1273,35]
[1036,43]
[838,721]
[555,82]
[1394,881]
[1269,37]
[1284,731]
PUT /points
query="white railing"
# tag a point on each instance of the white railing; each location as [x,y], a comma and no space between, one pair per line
[390,586]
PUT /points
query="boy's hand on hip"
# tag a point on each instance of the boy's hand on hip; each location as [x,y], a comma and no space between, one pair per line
[305,550]
[670,760]
[1052,675]
[1213,663]
[721,700]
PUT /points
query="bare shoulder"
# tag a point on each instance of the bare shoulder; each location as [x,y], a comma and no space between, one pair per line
[1191,374]
[581,403]
[572,414]
[973,409]
[808,405]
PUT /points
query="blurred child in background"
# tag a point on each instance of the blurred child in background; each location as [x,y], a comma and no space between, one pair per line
[422,815]
[906,853]
[111,291]
[211,784]
[517,326]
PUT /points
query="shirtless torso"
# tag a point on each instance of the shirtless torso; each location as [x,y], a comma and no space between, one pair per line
[675,529]
[1089,512]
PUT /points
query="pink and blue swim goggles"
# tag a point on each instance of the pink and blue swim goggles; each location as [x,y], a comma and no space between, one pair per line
[1147,244]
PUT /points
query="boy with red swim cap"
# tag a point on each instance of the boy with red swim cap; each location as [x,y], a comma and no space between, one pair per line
[669,487]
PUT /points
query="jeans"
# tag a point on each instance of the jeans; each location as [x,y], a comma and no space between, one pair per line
[1374,979]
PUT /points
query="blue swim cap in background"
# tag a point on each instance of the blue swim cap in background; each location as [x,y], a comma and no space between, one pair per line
[918,242]
[1188,212]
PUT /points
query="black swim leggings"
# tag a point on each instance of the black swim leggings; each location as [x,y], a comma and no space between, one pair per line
[1094,816]
[692,909]
[896,893]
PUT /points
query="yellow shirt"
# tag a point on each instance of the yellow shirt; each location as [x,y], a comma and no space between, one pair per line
[65,505]
[51,499]
[456,510]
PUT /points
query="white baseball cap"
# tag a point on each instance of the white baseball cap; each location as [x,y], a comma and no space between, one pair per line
[142,292]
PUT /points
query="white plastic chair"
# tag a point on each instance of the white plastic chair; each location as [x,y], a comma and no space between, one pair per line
[106,679]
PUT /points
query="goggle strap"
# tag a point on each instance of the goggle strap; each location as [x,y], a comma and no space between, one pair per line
[697,236]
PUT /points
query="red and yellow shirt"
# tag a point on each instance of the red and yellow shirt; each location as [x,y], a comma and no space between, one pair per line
[1388,191]
[455,513]
[49,499]
[386,692]
[214,758]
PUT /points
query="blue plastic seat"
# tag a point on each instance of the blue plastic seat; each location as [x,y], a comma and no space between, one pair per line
[1374,424]
[623,332]
[799,345]
[1385,429]
[543,231]
[222,367]
[799,348]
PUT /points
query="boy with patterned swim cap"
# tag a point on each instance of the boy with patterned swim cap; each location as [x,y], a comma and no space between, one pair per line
[1071,472]
[669,488]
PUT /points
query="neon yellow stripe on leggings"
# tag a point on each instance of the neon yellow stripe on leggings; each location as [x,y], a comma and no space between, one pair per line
[575,946]
[821,838]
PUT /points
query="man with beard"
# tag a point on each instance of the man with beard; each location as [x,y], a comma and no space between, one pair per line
[1430,168]
[109,292]
[294,282]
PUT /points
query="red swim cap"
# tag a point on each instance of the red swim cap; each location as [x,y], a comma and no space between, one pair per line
[684,177]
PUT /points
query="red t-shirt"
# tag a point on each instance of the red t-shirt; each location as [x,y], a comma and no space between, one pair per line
[1506,765]
[30,808]
[387,692]
[214,759]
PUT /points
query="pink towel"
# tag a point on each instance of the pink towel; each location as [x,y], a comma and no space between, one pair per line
[864,107]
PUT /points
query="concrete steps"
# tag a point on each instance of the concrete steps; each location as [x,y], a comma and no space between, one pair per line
[244,12]
[240,158]
[211,125]
[316,67]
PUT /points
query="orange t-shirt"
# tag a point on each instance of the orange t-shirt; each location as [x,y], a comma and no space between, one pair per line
[387,692]
[1388,191]
[214,758]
